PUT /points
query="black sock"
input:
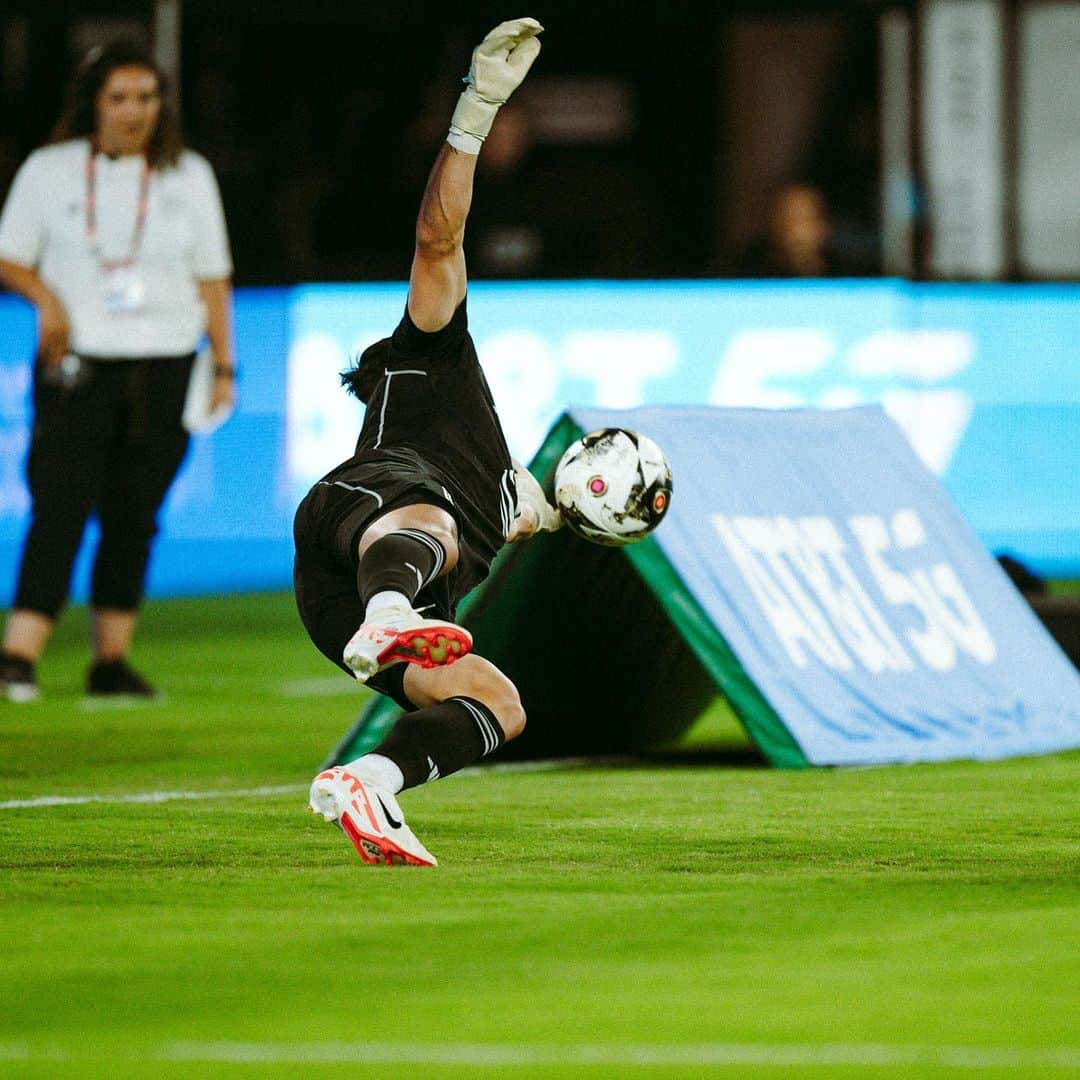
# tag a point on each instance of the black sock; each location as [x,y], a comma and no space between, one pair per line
[403,561]
[439,740]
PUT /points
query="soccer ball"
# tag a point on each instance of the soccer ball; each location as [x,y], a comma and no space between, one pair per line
[613,486]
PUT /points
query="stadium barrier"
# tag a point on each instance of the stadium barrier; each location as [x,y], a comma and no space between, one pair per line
[811,569]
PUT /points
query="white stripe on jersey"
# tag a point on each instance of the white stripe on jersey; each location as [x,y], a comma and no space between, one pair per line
[353,487]
[386,398]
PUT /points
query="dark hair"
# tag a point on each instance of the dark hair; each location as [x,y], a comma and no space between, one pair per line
[79,116]
[366,371]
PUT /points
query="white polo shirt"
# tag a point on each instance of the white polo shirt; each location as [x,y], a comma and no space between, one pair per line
[44,226]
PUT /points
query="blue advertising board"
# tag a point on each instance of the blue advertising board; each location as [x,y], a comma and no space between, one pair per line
[984,381]
[853,594]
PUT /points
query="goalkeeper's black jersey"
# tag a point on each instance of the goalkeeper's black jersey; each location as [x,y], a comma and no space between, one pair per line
[431,397]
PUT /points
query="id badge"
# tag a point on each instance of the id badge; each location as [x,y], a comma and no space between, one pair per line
[125,289]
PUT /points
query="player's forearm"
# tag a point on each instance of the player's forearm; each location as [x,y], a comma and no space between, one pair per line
[440,225]
[526,524]
[535,514]
[437,280]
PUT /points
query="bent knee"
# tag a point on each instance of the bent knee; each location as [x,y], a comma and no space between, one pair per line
[486,683]
[473,677]
[445,531]
[432,520]
[511,714]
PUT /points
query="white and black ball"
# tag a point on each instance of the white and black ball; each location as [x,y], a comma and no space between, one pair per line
[613,486]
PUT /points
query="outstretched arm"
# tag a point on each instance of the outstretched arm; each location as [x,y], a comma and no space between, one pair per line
[437,281]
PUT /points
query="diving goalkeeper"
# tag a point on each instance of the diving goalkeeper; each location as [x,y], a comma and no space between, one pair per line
[388,542]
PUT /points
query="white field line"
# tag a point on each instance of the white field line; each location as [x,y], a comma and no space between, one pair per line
[121,704]
[149,797]
[613,1055]
[628,1055]
[259,792]
[329,686]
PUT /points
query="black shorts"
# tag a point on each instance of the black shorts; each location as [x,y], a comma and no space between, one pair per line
[348,499]
[327,529]
[331,611]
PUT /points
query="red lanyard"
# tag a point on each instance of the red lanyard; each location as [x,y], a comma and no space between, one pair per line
[141,209]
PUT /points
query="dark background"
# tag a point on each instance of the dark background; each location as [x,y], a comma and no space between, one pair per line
[321,119]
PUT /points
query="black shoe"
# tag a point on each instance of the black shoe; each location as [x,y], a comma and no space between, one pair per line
[18,681]
[116,678]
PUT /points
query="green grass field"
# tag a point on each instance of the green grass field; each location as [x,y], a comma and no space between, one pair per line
[683,916]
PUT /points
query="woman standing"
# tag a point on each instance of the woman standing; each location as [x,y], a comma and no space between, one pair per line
[115,233]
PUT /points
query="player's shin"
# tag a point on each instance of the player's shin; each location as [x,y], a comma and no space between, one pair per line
[400,563]
[434,742]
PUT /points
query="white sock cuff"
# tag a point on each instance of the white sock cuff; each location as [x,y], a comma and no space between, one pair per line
[378,771]
[388,598]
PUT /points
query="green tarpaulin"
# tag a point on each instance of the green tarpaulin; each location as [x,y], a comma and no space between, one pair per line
[609,650]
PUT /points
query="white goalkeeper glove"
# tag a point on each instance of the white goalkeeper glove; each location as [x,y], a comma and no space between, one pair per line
[531,500]
[499,64]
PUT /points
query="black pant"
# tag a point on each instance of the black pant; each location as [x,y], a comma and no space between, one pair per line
[111,444]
